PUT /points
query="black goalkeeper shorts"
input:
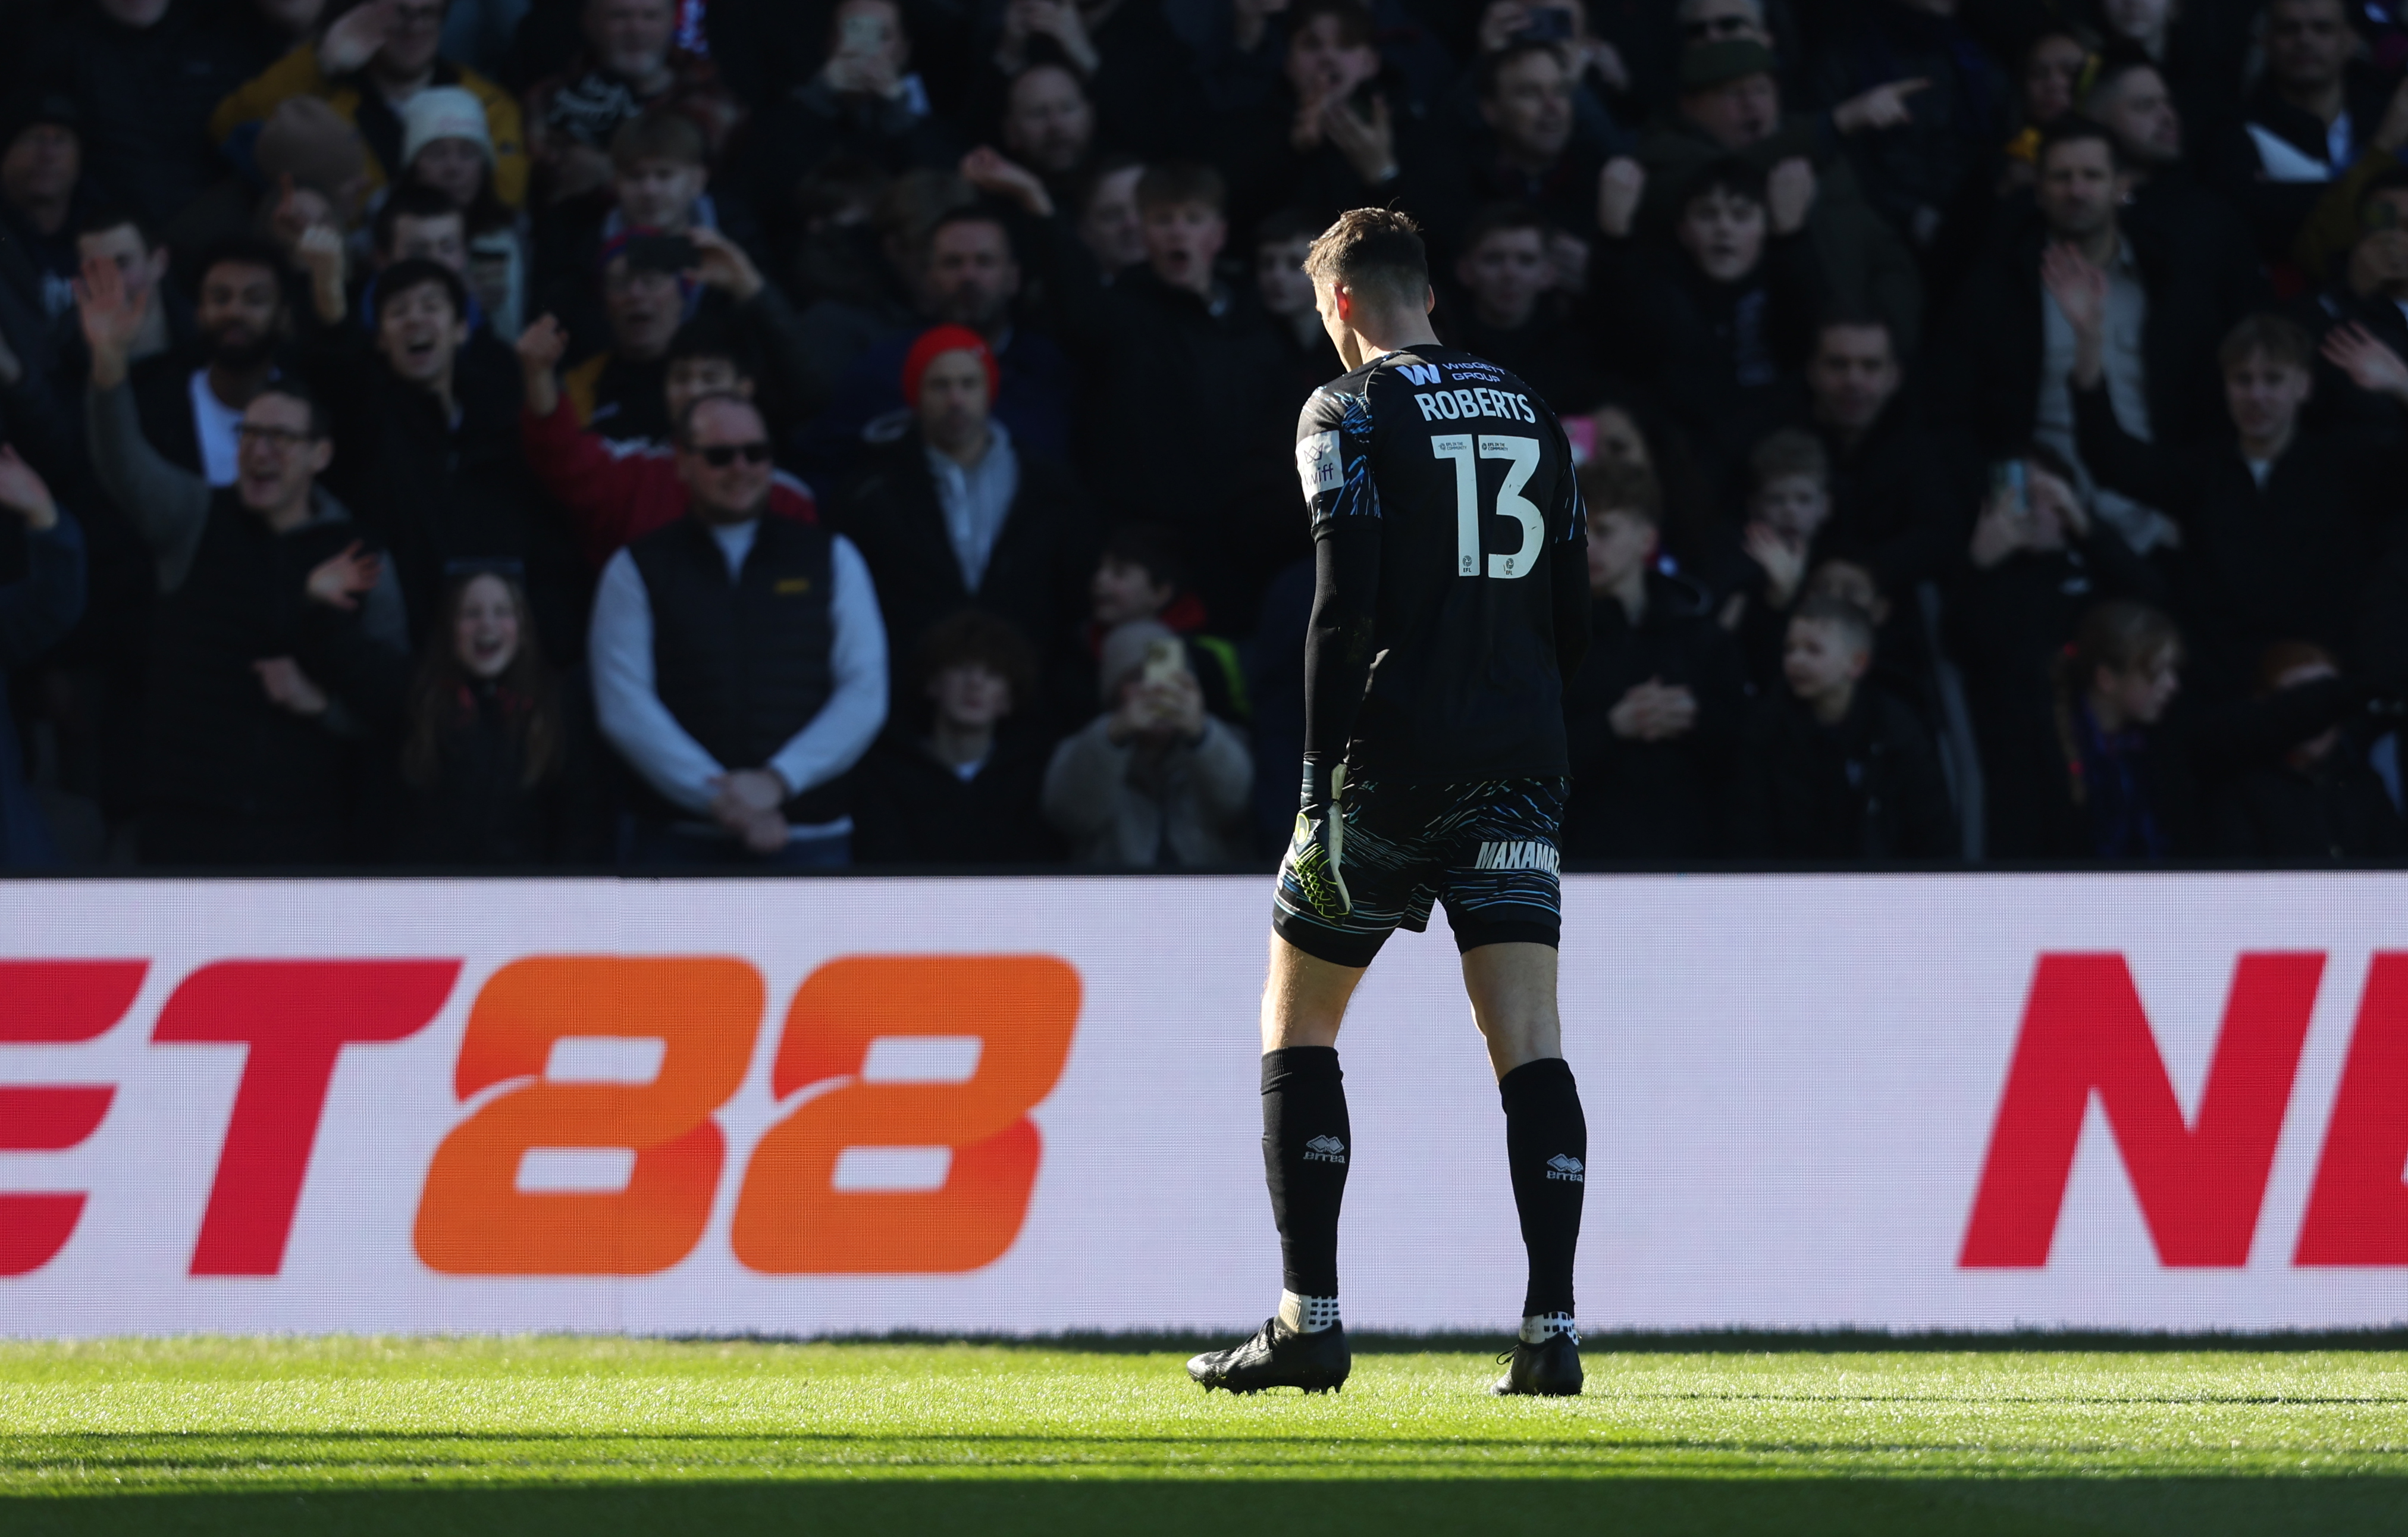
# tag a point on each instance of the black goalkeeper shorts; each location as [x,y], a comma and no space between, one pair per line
[1486,848]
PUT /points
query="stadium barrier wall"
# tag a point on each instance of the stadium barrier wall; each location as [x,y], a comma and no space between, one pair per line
[806,1107]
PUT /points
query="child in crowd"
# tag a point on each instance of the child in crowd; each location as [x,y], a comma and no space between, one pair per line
[2321,801]
[1156,780]
[495,767]
[1835,769]
[1719,320]
[1654,712]
[1788,505]
[963,790]
[1142,575]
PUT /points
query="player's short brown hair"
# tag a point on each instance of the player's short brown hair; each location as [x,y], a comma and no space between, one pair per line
[1377,252]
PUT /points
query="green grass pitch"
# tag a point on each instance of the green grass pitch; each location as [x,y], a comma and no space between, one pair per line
[552,1435]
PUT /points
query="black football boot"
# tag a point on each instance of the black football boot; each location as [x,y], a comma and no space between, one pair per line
[1551,1367]
[1278,1356]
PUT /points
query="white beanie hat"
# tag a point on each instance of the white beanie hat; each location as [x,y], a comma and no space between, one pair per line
[443,111]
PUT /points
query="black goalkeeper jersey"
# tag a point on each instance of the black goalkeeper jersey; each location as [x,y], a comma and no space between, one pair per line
[1468,479]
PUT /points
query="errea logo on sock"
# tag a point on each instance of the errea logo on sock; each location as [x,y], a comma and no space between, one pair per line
[1563,1166]
[1324,1149]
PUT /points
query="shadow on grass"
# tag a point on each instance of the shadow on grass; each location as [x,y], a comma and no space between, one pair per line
[1679,1343]
[1797,1507]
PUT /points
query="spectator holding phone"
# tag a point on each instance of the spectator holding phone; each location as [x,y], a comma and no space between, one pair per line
[1154,780]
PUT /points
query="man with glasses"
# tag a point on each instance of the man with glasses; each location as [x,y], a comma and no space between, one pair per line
[279,642]
[740,664]
[367,67]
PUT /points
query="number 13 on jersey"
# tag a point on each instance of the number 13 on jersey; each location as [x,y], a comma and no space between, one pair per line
[1521,456]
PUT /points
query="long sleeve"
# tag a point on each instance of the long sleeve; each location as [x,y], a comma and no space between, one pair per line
[2149,474]
[36,611]
[601,489]
[1084,780]
[1223,773]
[853,715]
[168,506]
[618,649]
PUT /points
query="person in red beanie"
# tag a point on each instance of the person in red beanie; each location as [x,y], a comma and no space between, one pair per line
[955,514]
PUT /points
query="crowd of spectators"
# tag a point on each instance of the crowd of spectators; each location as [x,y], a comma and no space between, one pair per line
[794,432]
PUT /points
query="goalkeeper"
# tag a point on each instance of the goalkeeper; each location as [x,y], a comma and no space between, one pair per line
[1452,604]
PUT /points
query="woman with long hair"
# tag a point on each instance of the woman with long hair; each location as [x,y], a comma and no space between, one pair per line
[492,771]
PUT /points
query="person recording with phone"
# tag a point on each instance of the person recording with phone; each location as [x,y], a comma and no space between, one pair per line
[1154,780]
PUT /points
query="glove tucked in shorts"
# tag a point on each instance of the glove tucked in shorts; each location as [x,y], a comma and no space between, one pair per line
[1486,848]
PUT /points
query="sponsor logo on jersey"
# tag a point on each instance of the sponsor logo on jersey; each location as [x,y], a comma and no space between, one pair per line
[1563,1166]
[1522,854]
[1420,373]
[1456,404]
[1324,1149]
[1318,464]
[1481,371]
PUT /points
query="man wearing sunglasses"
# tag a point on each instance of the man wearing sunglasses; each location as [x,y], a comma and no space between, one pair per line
[740,663]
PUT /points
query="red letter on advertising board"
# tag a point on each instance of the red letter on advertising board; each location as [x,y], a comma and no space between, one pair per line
[2358,1209]
[53,1003]
[2200,1185]
[297,1017]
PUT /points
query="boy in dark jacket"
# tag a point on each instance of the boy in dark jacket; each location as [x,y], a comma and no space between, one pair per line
[1654,712]
[2321,802]
[965,791]
[1837,770]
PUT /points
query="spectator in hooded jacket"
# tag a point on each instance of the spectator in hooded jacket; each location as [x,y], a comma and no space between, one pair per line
[2320,802]
[1154,780]
[494,768]
[1652,714]
[1833,770]
[616,491]
[966,789]
[37,611]
[958,512]
[740,664]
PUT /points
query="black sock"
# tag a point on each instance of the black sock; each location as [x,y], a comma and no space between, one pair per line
[1546,1144]
[1306,1143]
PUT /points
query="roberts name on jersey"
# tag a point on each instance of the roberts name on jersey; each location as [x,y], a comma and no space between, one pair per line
[1467,480]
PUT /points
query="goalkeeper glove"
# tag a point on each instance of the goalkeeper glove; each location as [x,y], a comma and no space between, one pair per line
[1318,850]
